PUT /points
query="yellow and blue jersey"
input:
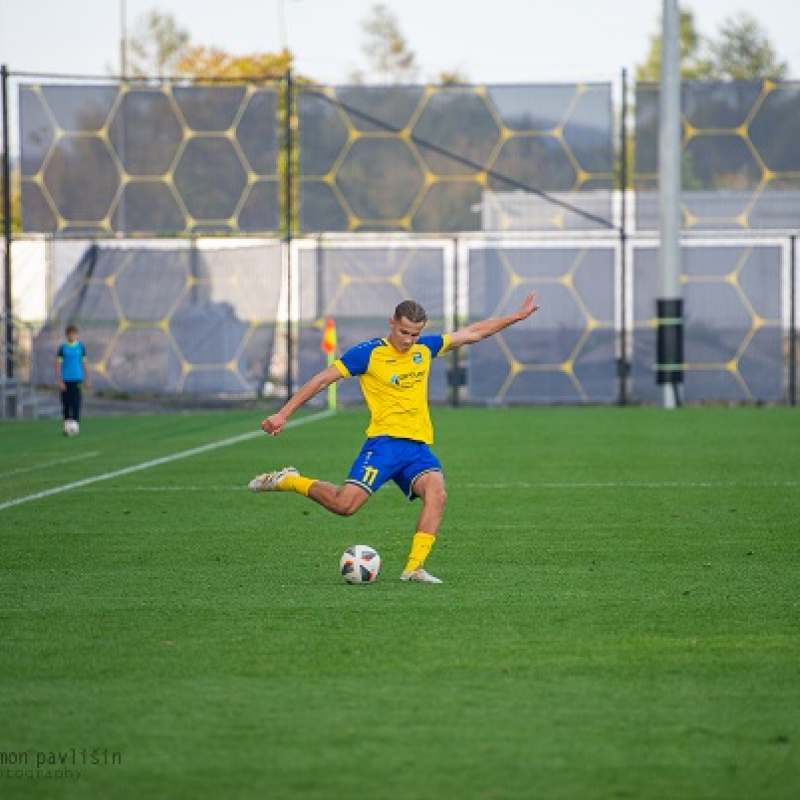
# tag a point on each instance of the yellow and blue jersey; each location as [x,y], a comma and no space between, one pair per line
[395,384]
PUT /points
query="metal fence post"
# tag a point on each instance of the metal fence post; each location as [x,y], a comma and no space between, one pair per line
[793,320]
[288,198]
[622,364]
[8,303]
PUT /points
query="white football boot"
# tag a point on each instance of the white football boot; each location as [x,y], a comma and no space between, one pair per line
[269,481]
[419,575]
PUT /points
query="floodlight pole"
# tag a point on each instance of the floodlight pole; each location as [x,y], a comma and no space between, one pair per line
[669,305]
[8,303]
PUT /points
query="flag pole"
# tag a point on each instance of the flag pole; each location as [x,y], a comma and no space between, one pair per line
[328,346]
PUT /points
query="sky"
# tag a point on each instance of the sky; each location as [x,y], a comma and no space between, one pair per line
[488,41]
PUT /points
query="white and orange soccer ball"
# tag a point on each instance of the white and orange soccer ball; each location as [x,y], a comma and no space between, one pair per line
[360,564]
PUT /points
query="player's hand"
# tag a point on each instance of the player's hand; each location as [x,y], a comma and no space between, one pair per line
[273,425]
[528,307]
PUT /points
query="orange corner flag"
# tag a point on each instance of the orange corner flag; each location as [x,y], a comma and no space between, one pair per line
[328,343]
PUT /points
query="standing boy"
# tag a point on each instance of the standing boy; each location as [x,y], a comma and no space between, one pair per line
[393,373]
[71,371]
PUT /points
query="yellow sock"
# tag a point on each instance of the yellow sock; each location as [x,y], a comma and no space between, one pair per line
[420,547]
[296,483]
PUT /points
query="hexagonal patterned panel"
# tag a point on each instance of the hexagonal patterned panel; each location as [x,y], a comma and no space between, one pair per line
[572,359]
[721,162]
[142,359]
[741,154]
[173,319]
[585,131]
[775,129]
[146,132]
[149,284]
[207,108]
[379,178]
[103,159]
[82,109]
[447,205]
[322,133]
[373,109]
[456,133]
[464,141]
[210,178]
[65,178]
[257,132]
[148,207]
[537,161]
[38,132]
[532,109]
[733,326]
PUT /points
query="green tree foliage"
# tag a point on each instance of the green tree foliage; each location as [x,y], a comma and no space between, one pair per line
[16,204]
[744,52]
[212,62]
[452,77]
[741,51]
[386,49]
[156,45]
[693,63]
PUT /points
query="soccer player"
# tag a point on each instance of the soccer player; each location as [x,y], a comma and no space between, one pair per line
[393,373]
[71,371]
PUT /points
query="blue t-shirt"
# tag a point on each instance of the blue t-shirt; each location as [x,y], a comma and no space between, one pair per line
[71,355]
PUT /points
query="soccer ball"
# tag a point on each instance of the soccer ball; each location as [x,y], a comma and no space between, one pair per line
[71,427]
[360,564]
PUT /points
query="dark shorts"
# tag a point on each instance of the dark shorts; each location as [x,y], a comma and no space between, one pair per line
[385,458]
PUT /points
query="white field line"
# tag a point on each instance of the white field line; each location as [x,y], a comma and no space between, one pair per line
[156,462]
[493,486]
[47,464]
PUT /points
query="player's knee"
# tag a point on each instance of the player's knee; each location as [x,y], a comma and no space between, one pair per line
[436,496]
[347,506]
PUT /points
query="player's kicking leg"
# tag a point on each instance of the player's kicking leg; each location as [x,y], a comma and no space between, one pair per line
[343,500]
[270,481]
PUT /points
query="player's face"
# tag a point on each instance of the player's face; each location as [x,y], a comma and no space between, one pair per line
[403,334]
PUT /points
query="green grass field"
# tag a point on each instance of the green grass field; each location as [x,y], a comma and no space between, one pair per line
[620,618]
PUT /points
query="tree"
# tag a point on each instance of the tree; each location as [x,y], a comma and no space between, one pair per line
[744,52]
[741,51]
[452,77]
[15,203]
[386,49]
[212,62]
[156,46]
[693,63]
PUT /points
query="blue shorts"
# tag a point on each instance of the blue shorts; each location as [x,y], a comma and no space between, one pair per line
[385,458]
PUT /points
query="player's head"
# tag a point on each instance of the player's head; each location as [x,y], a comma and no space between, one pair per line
[71,331]
[406,325]
[411,310]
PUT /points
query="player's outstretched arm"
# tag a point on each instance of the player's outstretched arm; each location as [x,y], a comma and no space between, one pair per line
[481,330]
[322,380]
